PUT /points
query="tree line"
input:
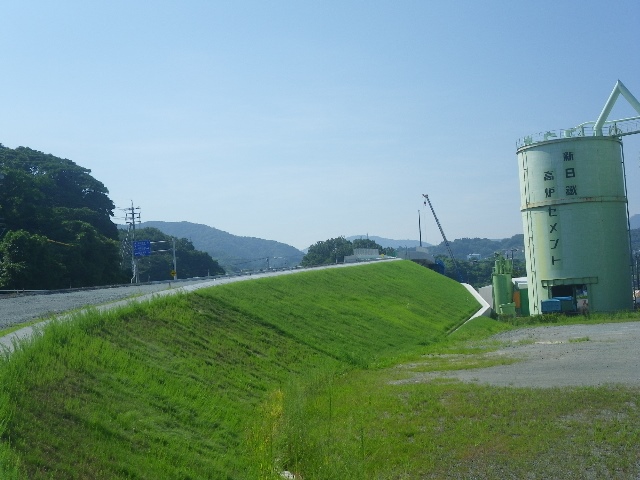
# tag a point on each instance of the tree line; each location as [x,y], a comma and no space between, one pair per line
[485,247]
[334,250]
[159,265]
[477,273]
[56,228]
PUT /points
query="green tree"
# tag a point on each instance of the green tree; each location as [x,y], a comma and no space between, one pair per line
[477,273]
[158,266]
[366,243]
[462,247]
[329,251]
[335,249]
[388,251]
[30,261]
[61,215]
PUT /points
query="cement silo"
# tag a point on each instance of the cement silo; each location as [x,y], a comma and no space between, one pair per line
[574,214]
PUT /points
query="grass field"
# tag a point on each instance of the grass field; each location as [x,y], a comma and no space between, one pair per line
[372,424]
[297,373]
[176,388]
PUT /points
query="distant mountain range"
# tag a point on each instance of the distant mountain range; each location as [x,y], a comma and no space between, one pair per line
[233,252]
[236,253]
[486,248]
[460,247]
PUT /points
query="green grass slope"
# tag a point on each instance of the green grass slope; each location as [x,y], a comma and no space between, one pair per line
[197,386]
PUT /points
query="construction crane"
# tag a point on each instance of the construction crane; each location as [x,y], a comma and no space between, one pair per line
[444,237]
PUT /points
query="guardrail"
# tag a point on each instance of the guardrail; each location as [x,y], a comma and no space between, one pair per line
[15,292]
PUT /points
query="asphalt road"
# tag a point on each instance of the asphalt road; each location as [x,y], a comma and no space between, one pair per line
[16,310]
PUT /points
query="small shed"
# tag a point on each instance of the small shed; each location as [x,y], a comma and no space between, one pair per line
[521,295]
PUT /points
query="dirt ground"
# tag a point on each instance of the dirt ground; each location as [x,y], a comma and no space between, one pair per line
[574,355]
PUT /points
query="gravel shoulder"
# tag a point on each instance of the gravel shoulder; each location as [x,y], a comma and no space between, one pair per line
[559,356]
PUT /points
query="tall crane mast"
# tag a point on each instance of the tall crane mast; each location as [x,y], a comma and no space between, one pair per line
[444,237]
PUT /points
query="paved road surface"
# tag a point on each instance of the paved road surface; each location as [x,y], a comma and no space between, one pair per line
[21,309]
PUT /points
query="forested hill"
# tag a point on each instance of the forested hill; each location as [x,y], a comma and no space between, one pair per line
[55,224]
[462,247]
[232,252]
[486,248]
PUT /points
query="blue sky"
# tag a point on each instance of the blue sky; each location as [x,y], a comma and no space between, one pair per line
[300,121]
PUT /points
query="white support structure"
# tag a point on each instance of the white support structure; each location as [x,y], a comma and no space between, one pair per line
[617,90]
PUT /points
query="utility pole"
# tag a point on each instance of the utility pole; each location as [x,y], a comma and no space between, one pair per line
[131,218]
[637,257]
[419,228]
[174,271]
[175,265]
[3,227]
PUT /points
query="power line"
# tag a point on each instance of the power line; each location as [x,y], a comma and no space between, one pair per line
[132,216]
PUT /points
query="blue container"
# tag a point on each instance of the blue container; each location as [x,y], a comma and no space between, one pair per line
[552,305]
[566,304]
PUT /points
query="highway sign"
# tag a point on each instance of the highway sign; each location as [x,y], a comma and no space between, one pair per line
[142,248]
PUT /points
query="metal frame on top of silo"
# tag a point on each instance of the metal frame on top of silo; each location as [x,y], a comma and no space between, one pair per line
[575,211]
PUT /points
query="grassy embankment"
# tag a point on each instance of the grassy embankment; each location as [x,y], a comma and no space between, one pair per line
[299,373]
[177,388]
[391,424]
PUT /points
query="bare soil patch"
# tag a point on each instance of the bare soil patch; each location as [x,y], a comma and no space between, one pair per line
[559,356]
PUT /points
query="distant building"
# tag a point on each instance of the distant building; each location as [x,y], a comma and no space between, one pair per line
[474,257]
[362,255]
[415,253]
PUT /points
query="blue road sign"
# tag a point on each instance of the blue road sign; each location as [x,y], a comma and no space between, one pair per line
[142,248]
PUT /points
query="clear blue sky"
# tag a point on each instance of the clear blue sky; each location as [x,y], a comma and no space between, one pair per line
[299,121]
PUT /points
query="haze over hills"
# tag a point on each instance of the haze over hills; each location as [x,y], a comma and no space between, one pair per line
[485,247]
[388,242]
[233,252]
[461,247]
[479,244]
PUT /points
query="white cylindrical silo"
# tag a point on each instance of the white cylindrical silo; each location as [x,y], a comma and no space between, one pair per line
[575,219]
